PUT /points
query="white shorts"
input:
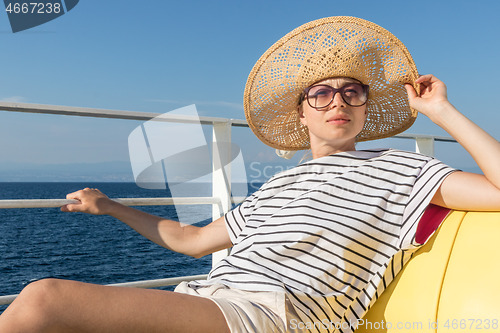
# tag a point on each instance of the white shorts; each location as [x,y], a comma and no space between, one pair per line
[246,311]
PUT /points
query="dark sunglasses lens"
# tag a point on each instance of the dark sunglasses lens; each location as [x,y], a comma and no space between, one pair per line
[320,96]
[354,94]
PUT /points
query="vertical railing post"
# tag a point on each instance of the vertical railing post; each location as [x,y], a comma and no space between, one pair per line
[221,175]
[424,146]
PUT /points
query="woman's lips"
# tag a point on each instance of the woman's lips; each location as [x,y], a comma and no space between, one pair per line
[339,120]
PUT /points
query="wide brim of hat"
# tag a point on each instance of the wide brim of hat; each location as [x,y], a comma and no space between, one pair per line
[339,46]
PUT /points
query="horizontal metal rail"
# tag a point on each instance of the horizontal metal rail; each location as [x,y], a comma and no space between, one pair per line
[147,284]
[113,114]
[6,300]
[51,203]
[425,136]
[47,203]
[160,282]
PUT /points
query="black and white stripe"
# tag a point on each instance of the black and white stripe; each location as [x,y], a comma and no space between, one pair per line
[332,233]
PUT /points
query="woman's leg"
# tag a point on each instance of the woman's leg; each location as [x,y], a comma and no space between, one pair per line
[66,306]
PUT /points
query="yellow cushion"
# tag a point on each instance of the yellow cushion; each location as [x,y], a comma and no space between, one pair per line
[454,277]
[470,294]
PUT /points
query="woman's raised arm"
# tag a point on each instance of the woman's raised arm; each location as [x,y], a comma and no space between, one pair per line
[461,190]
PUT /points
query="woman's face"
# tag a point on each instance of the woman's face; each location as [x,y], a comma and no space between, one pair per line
[337,125]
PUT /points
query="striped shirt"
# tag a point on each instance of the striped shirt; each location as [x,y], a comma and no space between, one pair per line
[331,233]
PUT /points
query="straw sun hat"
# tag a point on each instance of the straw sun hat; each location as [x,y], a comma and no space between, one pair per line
[333,46]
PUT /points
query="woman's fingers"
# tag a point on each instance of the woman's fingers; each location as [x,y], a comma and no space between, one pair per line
[411,91]
[75,206]
[90,201]
[426,77]
[74,195]
[431,86]
[70,208]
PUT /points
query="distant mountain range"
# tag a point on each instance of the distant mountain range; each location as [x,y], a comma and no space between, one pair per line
[117,171]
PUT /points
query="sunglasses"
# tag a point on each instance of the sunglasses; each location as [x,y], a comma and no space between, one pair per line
[321,96]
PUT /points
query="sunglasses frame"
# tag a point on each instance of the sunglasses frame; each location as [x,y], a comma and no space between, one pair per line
[366,89]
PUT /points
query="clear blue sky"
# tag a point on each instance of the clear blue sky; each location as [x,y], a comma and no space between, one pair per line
[157,55]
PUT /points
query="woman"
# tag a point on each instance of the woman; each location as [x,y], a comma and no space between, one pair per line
[318,243]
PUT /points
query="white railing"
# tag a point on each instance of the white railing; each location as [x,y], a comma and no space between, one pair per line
[147,284]
[51,203]
[221,177]
[424,144]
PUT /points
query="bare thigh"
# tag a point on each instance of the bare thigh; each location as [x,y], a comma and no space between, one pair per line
[62,306]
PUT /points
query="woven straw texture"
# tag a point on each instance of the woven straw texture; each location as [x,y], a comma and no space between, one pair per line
[329,47]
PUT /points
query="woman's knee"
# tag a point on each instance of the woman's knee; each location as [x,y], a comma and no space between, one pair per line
[39,302]
[42,292]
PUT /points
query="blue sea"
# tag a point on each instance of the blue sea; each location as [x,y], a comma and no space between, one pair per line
[37,243]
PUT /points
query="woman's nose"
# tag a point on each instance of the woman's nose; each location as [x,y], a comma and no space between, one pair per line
[337,101]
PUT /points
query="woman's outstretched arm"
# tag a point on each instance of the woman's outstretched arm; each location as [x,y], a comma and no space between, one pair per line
[187,239]
[461,190]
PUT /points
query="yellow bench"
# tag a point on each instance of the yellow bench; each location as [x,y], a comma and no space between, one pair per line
[452,284]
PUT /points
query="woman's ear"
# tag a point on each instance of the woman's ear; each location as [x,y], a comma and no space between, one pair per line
[302,116]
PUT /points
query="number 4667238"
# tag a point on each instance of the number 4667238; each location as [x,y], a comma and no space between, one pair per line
[34,8]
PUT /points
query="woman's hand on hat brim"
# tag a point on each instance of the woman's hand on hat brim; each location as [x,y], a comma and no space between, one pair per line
[432,98]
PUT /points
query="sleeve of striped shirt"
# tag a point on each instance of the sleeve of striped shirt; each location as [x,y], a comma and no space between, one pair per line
[237,218]
[427,183]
